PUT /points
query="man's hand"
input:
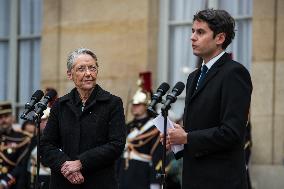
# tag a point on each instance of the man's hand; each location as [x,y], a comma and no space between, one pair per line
[76,177]
[176,135]
[70,167]
[2,186]
[168,146]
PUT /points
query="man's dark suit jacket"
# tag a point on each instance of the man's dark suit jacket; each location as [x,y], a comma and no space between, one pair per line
[215,116]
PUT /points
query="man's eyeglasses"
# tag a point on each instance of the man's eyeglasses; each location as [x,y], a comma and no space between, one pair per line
[83,69]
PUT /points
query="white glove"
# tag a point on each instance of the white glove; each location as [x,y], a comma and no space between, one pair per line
[155,186]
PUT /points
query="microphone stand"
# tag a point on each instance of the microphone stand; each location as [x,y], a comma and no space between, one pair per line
[164,112]
[163,175]
[36,118]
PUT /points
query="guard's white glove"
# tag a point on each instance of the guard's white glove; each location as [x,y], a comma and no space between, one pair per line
[155,186]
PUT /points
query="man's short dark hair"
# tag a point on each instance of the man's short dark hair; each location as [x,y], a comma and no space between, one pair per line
[219,21]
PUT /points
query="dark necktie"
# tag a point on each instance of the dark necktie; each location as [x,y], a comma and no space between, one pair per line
[202,75]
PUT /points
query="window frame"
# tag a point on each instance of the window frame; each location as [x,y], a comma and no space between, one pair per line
[14,40]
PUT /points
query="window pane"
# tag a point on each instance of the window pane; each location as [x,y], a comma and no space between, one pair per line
[29,72]
[183,10]
[237,7]
[36,65]
[241,45]
[29,49]
[181,59]
[25,71]
[25,17]
[37,15]
[4,52]
[4,17]
[243,38]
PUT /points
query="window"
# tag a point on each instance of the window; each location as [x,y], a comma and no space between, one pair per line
[175,54]
[4,47]
[241,46]
[20,30]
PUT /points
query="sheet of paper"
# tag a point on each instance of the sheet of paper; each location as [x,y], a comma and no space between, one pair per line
[159,123]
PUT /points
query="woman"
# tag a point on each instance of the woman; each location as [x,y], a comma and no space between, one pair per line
[85,132]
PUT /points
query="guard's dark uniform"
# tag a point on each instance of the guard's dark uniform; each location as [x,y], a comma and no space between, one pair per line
[13,149]
[142,157]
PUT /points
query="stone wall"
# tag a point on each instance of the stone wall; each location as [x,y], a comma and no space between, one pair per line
[268,76]
[267,108]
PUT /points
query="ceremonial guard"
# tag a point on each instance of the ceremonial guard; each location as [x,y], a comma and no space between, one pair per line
[13,149]
[143,152]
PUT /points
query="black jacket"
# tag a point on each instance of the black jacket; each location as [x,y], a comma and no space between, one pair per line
[95,136]
[215,117]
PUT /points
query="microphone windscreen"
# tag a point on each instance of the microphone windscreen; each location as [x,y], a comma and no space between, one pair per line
[179,88]
[51,94]
[164,87]
[38,95]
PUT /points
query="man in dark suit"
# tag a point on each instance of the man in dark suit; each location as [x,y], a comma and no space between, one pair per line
[216,107]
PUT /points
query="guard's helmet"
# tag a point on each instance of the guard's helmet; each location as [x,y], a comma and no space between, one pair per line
[143,93]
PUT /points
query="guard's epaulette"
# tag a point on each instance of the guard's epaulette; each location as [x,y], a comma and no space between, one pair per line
[17,137]
[26,138]
[22,142]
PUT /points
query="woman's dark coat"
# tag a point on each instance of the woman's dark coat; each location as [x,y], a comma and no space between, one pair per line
[95,136]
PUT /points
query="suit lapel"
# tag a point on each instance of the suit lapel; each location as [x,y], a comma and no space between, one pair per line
[211,74]
[191,87]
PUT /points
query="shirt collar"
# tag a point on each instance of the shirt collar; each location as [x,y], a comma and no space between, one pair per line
[78,100]
[213,60]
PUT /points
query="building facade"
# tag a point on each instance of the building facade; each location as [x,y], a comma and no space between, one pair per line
[132,36]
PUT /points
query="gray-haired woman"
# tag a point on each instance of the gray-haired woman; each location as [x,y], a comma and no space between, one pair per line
[85,132]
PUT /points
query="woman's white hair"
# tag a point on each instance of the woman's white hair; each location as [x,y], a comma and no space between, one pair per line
[73,55]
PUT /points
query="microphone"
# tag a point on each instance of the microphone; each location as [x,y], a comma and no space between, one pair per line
[29,106]
[157,97]
[42,105]
[172,97]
